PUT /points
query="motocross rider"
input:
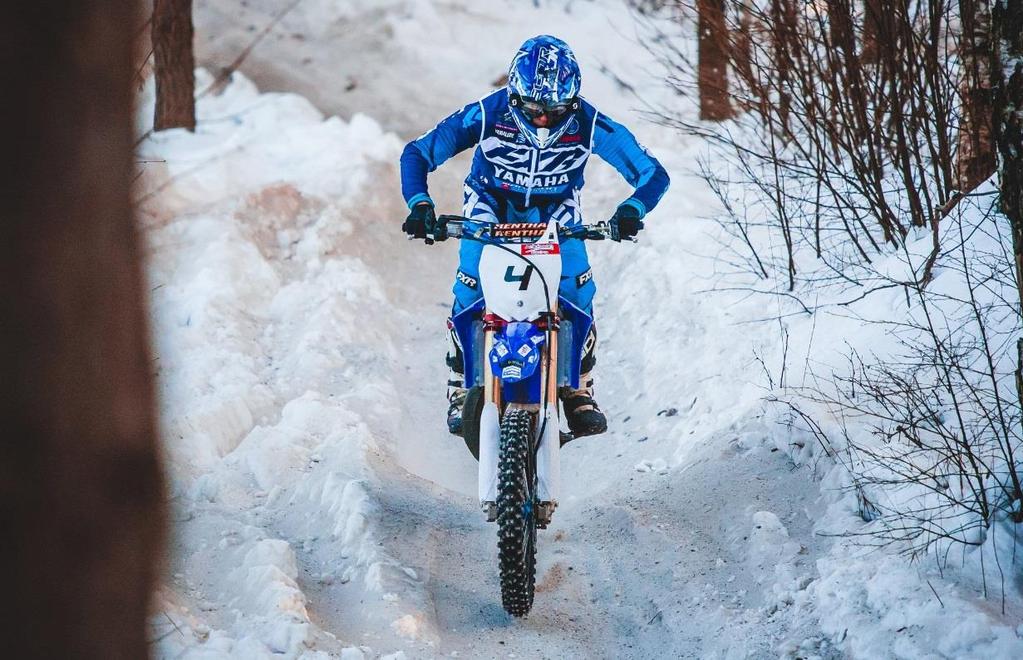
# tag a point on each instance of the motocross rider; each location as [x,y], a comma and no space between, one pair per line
[532,140]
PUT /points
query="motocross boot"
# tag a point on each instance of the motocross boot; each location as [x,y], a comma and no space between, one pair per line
[456,400]
[581,411]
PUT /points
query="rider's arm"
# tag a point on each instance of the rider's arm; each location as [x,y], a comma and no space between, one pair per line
[426,153]
[616,145]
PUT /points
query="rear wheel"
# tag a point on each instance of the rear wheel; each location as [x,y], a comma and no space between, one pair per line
[516,513]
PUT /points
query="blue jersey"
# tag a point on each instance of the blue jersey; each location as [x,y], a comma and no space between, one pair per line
[508,169]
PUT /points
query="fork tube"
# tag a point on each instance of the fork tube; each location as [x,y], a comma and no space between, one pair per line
[491,384]
[552,370]
[548,459]
[490,426]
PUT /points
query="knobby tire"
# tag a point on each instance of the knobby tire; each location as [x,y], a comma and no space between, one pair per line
[516,513]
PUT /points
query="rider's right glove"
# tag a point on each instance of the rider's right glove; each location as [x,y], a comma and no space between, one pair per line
[421,222]
[626,222]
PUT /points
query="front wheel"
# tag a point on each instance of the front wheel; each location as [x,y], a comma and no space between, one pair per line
[516,513]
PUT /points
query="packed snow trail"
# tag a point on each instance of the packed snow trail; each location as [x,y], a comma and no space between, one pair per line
[322,510]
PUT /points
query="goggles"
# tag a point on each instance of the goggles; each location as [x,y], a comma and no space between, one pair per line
[533,109]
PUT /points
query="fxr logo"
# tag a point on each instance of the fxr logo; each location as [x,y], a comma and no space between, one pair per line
[466,280]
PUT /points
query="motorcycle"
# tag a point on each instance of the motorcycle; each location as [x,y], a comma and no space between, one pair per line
[520,342]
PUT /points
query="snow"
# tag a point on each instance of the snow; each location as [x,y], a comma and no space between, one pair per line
[320,508]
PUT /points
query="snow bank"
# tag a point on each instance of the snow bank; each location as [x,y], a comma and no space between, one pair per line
[265,369]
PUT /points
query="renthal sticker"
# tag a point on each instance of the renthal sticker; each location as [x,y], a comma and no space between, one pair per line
[467,280]
[540,248]
[580,280]
[519,230]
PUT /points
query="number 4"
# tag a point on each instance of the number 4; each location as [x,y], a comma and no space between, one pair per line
[523,279]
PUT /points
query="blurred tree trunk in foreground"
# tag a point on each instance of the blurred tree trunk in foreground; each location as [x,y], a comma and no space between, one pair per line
[81,494]
[713,74]
[174,64]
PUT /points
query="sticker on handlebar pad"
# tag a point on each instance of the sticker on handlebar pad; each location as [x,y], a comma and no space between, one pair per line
[518,230]
[529,249]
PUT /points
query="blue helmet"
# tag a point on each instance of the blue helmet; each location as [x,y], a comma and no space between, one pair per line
[543,78]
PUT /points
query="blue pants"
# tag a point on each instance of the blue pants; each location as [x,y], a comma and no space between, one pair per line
[577,284]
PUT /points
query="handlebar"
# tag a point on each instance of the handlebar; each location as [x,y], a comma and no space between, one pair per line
[456,226]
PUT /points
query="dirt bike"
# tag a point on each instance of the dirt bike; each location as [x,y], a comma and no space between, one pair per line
[521,342]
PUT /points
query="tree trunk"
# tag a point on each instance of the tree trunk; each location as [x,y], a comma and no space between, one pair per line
[873,33]
[81,496]
[713,67]
[976,147]
[782,37]
[1008,121]
[174,64]
[1007,45]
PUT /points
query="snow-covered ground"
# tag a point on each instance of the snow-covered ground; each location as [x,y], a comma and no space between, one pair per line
[320,508]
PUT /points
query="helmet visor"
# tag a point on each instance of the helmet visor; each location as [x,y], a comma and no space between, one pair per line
[533,109]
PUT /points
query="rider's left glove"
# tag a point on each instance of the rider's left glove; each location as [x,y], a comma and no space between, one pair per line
[626,222]
[422,222]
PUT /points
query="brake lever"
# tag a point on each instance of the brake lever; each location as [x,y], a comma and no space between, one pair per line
[410,237]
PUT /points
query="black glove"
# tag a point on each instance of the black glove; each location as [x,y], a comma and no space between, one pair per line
[625,223]
[422,223]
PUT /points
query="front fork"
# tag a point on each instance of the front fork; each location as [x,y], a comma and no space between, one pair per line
[548,463]
[490,425]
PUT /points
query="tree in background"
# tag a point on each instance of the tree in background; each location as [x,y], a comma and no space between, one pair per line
[713,74]
[1007,46]
[873,33]
[81,492]
[976,148]
[174,63]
